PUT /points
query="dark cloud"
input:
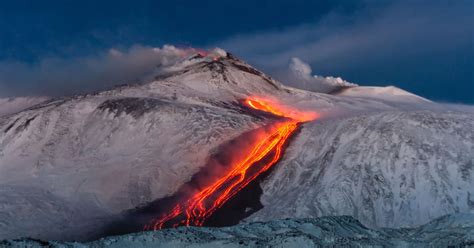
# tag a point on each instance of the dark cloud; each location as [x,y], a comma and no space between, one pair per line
[374,32]
[419,45]
[423,46]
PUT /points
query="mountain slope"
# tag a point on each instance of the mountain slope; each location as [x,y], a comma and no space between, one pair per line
[81,147]
[60,160]
[389,169]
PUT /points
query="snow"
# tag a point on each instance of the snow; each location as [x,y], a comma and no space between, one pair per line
[388,93]
[389,169]
[76,152]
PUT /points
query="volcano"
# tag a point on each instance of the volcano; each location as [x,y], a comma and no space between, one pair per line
[200,134]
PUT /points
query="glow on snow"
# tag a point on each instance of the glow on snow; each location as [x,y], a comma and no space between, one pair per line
[267,150]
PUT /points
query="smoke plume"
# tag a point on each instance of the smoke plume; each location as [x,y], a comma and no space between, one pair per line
[55,76]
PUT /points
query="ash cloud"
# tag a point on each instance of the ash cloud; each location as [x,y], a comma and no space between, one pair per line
[299,75]
[54,76]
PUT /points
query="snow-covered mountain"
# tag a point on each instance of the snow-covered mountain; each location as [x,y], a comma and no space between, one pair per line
[70,166]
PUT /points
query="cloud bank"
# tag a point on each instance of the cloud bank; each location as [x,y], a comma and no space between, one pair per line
[59,76]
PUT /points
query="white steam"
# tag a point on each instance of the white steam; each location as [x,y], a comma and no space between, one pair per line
[301,77]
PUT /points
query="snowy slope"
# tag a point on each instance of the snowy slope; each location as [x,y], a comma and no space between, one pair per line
[86,158]
[70,166]
[388,169]
[343,231]
[100,156]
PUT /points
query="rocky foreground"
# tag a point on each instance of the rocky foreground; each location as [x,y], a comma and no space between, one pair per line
[448,231]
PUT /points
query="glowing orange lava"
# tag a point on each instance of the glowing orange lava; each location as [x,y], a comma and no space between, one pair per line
[262,156]
[272,106]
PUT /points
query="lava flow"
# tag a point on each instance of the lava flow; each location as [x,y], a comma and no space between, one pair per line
[263,154]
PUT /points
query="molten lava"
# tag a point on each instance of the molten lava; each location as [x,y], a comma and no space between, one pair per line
[273,107]
[261,157]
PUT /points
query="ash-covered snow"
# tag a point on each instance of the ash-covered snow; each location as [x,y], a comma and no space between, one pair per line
[336,231]
[70,166]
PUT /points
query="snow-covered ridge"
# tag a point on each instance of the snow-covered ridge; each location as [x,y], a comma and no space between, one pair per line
[388,93]
[448,231]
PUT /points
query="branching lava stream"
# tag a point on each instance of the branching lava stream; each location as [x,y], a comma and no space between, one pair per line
[262,156]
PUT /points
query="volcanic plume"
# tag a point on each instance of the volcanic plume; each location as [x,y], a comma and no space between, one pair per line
[264,153]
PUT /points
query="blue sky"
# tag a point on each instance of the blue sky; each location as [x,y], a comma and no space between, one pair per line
[422,46]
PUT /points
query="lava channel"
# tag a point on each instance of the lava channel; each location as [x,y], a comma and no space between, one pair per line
[264,153]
